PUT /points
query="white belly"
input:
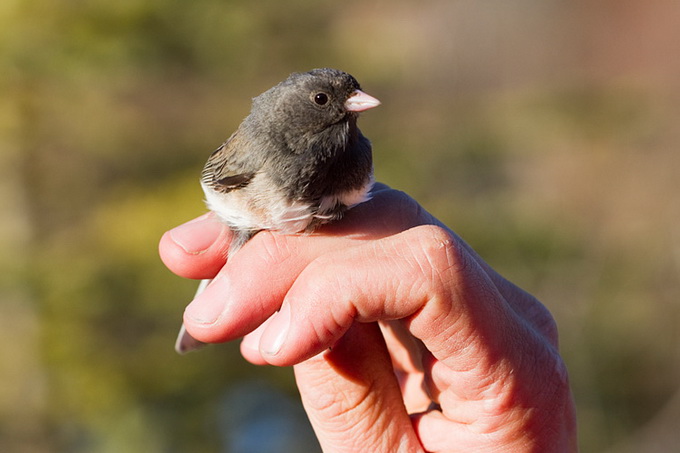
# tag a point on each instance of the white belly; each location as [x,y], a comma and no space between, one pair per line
[259,207]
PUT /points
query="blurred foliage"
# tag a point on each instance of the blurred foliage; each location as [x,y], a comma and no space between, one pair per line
[545,133]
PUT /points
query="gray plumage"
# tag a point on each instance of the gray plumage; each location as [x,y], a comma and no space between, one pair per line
[298,160]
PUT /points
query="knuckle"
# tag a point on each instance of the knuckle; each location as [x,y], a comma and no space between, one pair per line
[438,251]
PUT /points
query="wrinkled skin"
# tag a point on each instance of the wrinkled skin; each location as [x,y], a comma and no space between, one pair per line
[401,337]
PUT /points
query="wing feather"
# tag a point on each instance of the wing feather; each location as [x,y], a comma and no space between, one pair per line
[228,167]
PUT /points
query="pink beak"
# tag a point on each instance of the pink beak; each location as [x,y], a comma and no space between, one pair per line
[360,101]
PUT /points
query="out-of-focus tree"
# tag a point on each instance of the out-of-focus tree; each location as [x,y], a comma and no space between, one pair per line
[544,132]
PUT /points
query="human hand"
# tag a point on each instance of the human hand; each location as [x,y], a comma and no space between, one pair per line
[402,338]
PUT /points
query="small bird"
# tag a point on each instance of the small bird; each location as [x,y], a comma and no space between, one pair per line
[297,161]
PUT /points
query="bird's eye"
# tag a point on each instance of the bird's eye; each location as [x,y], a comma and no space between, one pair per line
[321,98]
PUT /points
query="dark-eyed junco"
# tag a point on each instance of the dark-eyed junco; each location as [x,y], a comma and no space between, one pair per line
[296,161]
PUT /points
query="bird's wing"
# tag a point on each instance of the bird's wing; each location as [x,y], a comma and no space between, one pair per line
[230,167]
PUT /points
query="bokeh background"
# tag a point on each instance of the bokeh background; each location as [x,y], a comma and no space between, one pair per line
[544,132]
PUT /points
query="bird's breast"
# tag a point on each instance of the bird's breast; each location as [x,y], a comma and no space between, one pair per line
[262,205]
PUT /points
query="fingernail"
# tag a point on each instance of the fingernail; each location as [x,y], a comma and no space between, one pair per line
[193,241]
[277,331]
[202,311]
[251,341]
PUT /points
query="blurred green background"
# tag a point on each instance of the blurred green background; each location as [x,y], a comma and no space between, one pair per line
[544,132]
